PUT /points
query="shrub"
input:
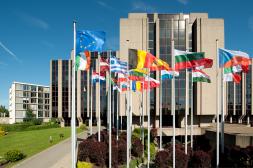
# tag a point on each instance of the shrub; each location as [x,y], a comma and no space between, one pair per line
[162,159]
[122,151]
[14,155]
[37,121]
[40,127]
[2,133]
[83,127]
[16,127]
[202,143]
[152,150]
[200,159]
[84,165]
[137,148]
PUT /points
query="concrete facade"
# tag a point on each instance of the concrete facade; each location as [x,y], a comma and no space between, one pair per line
[200,34]
[23,96]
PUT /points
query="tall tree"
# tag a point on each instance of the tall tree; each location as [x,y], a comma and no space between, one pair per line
[4,111]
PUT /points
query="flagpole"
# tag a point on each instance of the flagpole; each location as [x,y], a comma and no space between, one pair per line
[186,109]
[222,113]
[148,111]
[98,94]
[73,116]
[160,111]
[142,121]
[113,108]
[192,115]
[173,95]
[88,93]
[109,114]
[91,85]
[218,108]
[117,116]
[128,122]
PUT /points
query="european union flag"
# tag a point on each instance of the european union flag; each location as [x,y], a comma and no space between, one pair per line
[89,41]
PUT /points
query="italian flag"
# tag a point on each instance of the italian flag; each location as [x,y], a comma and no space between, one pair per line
[185,60]
[200,76]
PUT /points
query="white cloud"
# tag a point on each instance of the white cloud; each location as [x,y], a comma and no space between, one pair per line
[9,52]
[2,63]
[184,2]
[143,7]
[251,23]
[105,5]
[34,21]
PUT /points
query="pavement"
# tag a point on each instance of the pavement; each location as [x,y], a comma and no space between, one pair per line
[57,156]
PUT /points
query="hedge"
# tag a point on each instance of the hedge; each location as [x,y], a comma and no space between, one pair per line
[27,126]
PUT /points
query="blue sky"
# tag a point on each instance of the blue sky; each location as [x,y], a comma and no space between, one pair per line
[34,31]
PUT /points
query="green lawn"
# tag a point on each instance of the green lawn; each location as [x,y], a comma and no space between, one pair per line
[32,142]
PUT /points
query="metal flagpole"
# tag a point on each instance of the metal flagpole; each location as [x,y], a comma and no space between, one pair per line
[88,93]
[98,94]
[186,110]
[192,115]
[161,111]
[128,123]
[222,113]
[117,118]
[173,95]
[110,115]
[142,121]
[148,111]
[91,85]
[73,116]
[113,108]
[218,108]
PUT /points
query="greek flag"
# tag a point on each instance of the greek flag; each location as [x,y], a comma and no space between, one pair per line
[118,66]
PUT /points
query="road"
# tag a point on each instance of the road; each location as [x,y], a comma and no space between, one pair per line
[57,156]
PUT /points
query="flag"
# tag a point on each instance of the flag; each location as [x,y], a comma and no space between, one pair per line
[95,77]
[83,61]
[229,74]
[118,66]
[147,60]
[89,41]
[104,65]
[153,83]
[122,77]
[124,86]
[137,74]
[200,76]
[184,60]
[168,74]
[229,58]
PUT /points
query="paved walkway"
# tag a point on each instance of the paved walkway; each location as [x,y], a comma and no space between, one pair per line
[57,156]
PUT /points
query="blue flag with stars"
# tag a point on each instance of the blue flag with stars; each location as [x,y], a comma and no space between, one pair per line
[89,41]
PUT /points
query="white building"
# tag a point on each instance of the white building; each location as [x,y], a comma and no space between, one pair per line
[23,96]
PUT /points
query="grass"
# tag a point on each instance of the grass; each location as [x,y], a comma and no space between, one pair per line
[32,142]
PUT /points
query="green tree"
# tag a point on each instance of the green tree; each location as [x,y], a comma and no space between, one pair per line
[4,111]
[29,116]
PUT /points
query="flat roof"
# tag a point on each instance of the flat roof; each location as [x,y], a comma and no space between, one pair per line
[23,83]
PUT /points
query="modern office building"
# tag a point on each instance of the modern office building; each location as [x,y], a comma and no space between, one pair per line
[193,32]
[23,96]
[60,91]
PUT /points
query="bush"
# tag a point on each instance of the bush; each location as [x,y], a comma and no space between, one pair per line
[2,133]
[200,159]
[162,159]
[152,150]
[83,127]
[15,127]
[14,155]
[40,127]
[122,151]
[137,148]
[37,121]
[84,165]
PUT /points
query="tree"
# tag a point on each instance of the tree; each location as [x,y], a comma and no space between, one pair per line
[4,111]
[29,116]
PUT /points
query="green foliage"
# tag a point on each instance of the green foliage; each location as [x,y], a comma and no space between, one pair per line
[83,127]
[4,111]
[14,155]
[16,127]
[84,165]
[27,126]
[137,133]
[54,121]
[29,116]
[2,132]
[135,162]
[152,150]
[3,161]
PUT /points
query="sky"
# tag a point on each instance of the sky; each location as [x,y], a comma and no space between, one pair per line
[32,32]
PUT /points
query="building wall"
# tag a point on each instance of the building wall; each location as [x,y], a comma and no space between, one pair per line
[151,32]
[25,96]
